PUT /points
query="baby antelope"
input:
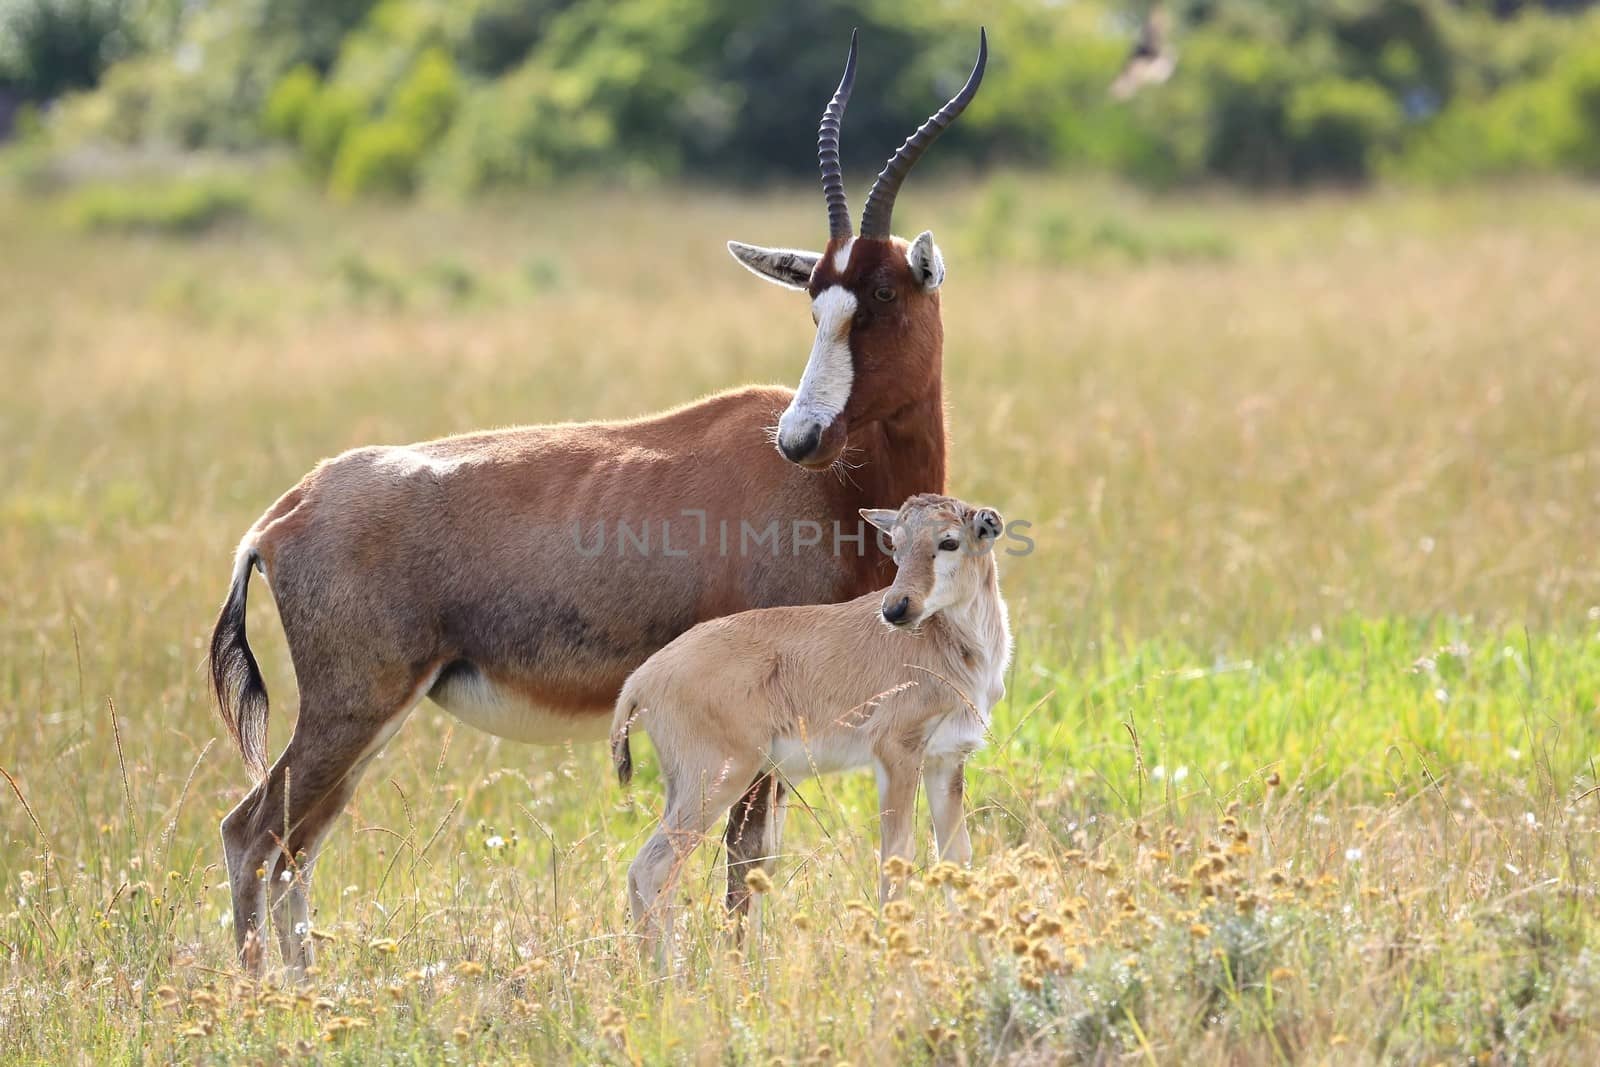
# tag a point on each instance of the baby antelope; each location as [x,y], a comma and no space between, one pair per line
[902,681]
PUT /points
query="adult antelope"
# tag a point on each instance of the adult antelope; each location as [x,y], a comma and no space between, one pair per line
[902,682]
[463,569]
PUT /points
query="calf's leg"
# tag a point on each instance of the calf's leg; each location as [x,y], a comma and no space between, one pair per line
[696,799]
[945,783]
[897,810]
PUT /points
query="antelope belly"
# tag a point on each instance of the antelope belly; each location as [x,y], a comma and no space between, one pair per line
[475,699]
[958,735]
[797,760]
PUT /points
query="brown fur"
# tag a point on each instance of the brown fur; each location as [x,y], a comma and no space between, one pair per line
[446,567]
[742,694]
[909,325]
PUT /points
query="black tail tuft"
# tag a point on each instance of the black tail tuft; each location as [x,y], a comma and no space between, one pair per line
[622,753]
[235,677]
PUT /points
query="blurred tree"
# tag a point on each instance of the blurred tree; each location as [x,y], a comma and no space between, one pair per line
[470,93]
[48,47]
[501,33]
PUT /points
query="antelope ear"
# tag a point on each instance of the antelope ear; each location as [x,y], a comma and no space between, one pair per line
[986,524]
[925,261]
[882,518]
[788,267]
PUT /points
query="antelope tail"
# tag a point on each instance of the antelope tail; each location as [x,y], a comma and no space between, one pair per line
[235,677]
[621,752]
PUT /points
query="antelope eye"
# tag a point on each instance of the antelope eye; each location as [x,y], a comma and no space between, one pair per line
[884,294]
[949,544]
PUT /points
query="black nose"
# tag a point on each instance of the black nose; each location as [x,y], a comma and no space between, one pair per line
[896,612]
[795,451]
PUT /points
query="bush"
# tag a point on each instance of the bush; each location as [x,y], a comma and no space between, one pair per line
[500,34]
[427,100]
[1336,127]
[180,208]
[380,157]
[207,86]
[329,117]
[1248,87]
[368,124]
[490,92]
[384,155]
[1582,77]
[526,129]
[291,101]
[48,47]
[1548,124]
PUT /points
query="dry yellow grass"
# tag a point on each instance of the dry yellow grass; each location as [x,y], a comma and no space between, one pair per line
[1314,487]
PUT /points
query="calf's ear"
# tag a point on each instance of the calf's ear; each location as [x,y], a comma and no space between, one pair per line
[986,524]
[882,518]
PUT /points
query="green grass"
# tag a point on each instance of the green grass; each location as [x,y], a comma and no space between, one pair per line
[176,208]
[1312,484]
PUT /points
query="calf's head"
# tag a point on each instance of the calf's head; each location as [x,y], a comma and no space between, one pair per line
[874,297]
[943,555]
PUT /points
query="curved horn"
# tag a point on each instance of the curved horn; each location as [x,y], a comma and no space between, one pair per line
[828,148]
[880,202]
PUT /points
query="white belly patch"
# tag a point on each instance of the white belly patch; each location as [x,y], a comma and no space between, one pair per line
[478,702]
[958,735]
[798,760]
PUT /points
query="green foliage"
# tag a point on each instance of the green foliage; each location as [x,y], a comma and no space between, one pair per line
[1526,128]
[207,84]
[328,118]
[385,155]
[291,100]
[1337,126]
[1549,122]
[528,128]
[500,33]
[1248,87]
[50,46]
[1582,78]
[427,99]
[389,97]
[486,93]
[377,157]
[179,208]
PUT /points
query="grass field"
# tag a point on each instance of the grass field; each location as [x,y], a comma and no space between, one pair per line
[1297,762]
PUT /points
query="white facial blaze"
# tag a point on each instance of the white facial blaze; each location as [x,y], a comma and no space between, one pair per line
[825,386]
[841,258]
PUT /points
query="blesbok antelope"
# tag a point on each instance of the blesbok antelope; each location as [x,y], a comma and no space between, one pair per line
[463,569]
[901,681]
